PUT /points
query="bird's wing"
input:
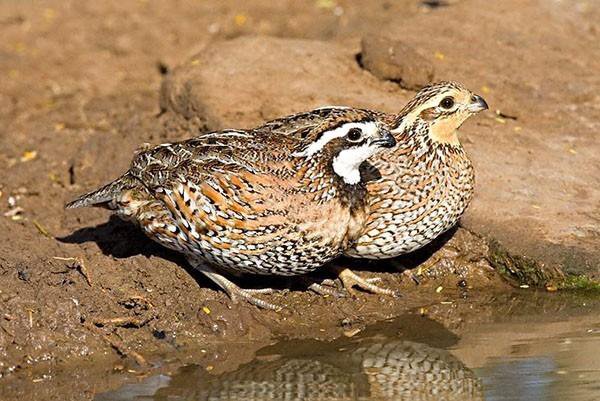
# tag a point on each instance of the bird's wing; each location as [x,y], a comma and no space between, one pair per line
[197,159]
[210,182]
[191,160]
[223,167]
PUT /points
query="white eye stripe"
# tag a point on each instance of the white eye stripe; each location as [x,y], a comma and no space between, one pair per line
[369,129]
[433,102]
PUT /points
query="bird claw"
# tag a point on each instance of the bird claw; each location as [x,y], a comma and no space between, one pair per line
[329,282]
[325,290]
[235,293]
[259,290]
[412,276]
[350,279]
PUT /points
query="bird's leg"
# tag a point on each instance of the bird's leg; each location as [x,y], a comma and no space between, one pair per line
[234,292]
[350,279]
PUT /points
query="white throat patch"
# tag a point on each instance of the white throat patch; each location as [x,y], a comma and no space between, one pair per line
[346,164]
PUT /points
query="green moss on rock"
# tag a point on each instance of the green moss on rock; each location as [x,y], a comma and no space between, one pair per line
[520,270]
[581,284]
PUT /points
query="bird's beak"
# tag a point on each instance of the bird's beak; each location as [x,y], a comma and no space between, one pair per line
[477,104]
[387,140]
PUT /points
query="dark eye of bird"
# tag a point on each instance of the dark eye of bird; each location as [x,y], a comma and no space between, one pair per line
[354,134]
[447,102]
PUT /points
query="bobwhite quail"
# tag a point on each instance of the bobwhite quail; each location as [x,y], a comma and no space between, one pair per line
[418,190]
[250,201]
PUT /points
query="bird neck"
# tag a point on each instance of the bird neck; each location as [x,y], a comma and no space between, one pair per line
[444,132]
[440,130]
[319,176]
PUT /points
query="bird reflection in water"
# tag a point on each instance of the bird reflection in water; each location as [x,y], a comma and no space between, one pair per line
[367,370]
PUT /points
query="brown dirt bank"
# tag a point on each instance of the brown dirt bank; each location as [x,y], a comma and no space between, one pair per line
[80,91]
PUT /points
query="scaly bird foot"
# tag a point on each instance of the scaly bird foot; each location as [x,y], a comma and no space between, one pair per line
[325,289]
[350,279]
[235,293]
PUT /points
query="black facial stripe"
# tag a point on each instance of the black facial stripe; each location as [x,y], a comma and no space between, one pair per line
[356,144]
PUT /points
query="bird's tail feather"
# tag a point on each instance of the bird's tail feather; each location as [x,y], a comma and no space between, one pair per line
[102,196]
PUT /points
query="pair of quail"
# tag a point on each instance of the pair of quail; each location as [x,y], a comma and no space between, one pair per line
[291,195]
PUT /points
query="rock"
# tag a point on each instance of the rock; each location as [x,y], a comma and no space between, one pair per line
[245,81]
[396,61]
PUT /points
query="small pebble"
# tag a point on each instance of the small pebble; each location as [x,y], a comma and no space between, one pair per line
[352,333]
[28,155]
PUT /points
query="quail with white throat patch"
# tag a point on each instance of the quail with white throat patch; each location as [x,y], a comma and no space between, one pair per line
[252,202]
[422,187]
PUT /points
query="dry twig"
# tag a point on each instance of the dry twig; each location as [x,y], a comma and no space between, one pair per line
[79,265]
[42,229]
[122,321]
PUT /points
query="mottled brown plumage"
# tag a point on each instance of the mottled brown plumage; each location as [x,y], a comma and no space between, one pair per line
[250,201]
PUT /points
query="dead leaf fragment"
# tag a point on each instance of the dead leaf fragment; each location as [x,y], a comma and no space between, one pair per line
[28,155]
[240,19]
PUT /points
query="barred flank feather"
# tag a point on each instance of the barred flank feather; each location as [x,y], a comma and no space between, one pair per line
[105,194]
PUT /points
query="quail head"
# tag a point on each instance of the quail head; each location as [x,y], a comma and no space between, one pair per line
[250,201]
[418,190]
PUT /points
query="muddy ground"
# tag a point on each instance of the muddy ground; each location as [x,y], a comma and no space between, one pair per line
[81,89]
